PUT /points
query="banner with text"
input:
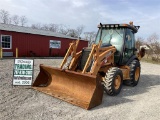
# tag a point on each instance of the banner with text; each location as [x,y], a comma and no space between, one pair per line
[23,72]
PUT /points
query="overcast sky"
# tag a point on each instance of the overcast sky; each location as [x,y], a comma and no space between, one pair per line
[145,13]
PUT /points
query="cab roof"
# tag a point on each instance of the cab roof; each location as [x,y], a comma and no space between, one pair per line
[130,26]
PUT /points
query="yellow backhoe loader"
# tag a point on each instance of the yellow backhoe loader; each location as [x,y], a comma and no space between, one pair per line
[83,76]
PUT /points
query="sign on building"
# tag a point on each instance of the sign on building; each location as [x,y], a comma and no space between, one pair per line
[23,72]
[55,44]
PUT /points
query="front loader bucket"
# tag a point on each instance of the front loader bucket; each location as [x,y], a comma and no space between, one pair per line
[76,88]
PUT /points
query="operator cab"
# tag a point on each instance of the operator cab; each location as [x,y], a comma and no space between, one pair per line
[121,36]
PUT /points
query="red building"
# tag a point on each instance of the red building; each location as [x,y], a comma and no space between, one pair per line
[33,42]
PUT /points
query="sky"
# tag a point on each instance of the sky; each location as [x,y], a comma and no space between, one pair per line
[73,13]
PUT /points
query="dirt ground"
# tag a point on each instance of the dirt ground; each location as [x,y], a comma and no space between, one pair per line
[133,103]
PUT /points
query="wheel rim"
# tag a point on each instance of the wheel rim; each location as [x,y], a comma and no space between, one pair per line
[117,82]
[137,73]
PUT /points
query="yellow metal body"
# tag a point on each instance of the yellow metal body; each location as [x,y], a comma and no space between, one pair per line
[1,52]
[16,52]
[79,87]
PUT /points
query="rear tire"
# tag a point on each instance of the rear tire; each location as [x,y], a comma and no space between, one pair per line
[113,81]
[134,73]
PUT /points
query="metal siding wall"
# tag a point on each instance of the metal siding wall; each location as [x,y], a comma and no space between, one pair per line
[82,44]
[38,44]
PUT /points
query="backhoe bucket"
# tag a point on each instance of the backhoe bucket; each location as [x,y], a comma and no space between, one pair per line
[76,88]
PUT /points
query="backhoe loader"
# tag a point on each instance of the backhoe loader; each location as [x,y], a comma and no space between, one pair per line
[83,76]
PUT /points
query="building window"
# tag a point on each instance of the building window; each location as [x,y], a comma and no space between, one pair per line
[6,41]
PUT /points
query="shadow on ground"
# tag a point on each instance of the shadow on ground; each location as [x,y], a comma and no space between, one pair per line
[146,83]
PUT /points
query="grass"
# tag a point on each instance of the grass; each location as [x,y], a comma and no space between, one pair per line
[149,60]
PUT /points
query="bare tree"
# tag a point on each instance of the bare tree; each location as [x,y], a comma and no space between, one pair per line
[9,20]
[51,27]
[45,27]
[73,33]
[23,20]
[4,15]
[139,42]
[79,30]
[36,26]
[90,36]
[63,29]
[15,19]
[54,27]
[155,46]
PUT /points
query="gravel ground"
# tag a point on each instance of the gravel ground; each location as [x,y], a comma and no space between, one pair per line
[133,103]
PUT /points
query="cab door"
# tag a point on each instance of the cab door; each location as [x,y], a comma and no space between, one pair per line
[129,46]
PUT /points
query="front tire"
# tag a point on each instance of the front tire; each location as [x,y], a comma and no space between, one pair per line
[135,69]
[113,81]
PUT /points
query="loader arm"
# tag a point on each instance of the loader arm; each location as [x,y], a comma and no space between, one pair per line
[106,57]
[94,47]
[71,52]
[74,61]
[99,56]
[93,53]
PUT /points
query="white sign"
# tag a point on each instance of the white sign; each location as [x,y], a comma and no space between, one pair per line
[23,72]
[55,44]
